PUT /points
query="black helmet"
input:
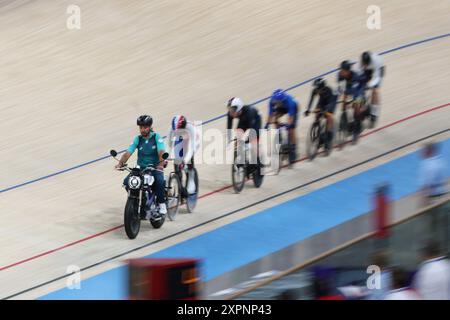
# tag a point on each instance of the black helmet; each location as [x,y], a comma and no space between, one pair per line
[365,58]
[346,65]
[145,120]
[319,83]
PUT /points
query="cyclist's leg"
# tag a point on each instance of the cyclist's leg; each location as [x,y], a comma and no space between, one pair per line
[375,100]
[257,142]
[292,137]
[125,182]
[329,130]
[191,183]
[253,134]
[191,165]
[329,114]
[357,118]
[375,105]
[240,148]
[158,186]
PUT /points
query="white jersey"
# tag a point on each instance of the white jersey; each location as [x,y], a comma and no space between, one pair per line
[376,65]
[184,142]
[433,175]
[432,281]
[402,294]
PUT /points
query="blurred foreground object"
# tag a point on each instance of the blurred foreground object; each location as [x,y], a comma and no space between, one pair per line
[164,279]
[432,281]
[401,290]
[432,173]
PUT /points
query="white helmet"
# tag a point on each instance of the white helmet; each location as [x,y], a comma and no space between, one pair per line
[236,103]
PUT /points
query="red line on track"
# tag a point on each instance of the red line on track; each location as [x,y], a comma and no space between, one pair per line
[210,193]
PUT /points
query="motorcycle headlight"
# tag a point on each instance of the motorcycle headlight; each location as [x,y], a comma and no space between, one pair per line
[134,182]
[148,179]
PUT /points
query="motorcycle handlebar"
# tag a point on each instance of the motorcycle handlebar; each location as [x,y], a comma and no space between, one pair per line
[126,168]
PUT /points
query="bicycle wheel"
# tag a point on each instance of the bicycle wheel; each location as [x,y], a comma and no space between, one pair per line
[191,200]
[238,174]
[173,196]
[313,141]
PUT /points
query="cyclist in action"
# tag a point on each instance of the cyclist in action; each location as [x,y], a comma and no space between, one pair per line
[281,104]
[352,84]
[327,105]
[249,120]
[183,141]
[372,66]
[150,148]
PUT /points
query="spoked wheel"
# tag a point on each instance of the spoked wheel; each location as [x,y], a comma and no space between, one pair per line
[132,221]
[191,200]
[238,172]
[173,196]
[313,141]
[238,177]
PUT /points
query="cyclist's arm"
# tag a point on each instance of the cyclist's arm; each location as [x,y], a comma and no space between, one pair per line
[341,85]
[311,99]
[191,147]
[171,141]
[270,117]
[344,99]
[290,122]
[124,158]
[129,151]
[229,126]
[375,79]
[343,89]
[294,108]
[160,146]
[375,68]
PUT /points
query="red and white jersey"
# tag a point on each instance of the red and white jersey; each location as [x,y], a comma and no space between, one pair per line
[184,142]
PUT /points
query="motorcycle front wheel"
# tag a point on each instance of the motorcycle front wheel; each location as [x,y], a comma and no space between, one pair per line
[132,221]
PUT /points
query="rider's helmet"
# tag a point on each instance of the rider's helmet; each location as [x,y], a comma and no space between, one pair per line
[179,122]
[319,83]
[346,65]
[365,58]
[279,95]
[145,120]
[235,103]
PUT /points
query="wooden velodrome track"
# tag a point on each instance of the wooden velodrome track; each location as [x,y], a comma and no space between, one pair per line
[67,97]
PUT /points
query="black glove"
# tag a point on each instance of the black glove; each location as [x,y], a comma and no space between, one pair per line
[307,113]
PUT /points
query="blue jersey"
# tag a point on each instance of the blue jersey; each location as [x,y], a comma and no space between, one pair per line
[289,106]
[354,85]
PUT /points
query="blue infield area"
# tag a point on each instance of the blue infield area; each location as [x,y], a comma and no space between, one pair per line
[239,243]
